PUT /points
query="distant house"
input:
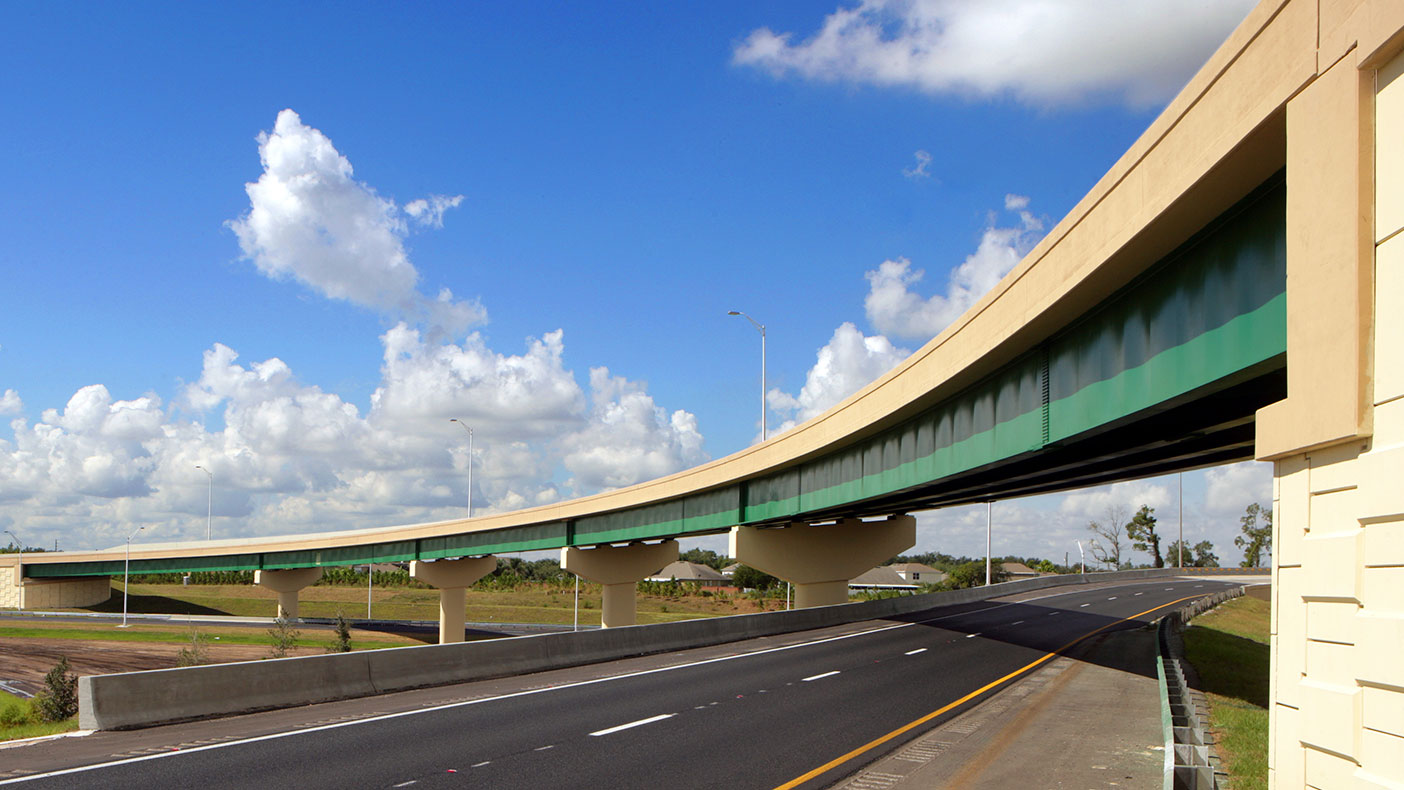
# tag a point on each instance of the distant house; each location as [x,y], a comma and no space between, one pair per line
[916,572]
[883,578]
[729,570]
[684,571]
[1018,570]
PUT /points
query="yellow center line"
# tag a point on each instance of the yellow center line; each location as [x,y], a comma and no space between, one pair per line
[869,746]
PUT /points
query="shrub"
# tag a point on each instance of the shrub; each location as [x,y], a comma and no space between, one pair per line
[343,635]
[16,714]
[59,699]
[284,638]
[197,653]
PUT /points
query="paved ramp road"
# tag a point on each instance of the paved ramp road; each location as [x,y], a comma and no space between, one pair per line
[776,716]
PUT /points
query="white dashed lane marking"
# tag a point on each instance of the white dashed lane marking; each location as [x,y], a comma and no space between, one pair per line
[819,676]
[914,652]
[638,723]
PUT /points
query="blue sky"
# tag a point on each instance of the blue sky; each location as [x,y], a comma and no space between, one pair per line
[609,182]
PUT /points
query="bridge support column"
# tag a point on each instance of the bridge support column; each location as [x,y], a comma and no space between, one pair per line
[287,583]
[453,578]
[619,570]
[819,560]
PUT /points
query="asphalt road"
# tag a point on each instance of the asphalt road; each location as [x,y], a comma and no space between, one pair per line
[760,719]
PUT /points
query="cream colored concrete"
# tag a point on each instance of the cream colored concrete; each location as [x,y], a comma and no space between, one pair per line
[287,583]
[1330,267]
[819,560]
[618,570]
[452,577]
[11,591]
[1338,595]
[49,593]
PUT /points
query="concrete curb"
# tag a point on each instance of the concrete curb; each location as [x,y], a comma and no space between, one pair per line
[1191,761]
[142,699]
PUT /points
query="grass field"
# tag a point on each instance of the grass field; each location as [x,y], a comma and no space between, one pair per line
[528,604]
[1228,647]
[180,634]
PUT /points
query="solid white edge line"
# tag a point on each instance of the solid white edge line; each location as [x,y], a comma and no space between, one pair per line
[524,693]
[820,675]
[639,723]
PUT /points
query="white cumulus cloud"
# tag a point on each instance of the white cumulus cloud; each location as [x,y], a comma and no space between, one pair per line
[629,438]
[10,403]
[894,308]
[846,364]
[1041,53]
[310,220]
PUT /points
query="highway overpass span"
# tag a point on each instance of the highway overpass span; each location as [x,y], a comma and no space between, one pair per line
[1231,288]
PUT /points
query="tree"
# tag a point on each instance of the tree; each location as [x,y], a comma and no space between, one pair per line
[59,699]
[1256,539]
[1141,530]
[1200,555]
[748,578]
[1112,530]
[972,574]
[706,557]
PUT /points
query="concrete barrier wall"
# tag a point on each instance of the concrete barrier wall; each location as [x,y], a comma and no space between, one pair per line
[141,699]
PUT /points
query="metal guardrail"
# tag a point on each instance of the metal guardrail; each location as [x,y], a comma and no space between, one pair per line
[1190,760]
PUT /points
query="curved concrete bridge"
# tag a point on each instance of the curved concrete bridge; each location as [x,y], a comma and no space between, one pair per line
[1230,289]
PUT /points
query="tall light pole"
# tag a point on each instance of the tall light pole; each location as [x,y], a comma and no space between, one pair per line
[1181,515]
[470,462]
[989,522]
[126,570]
[19,568]
[209,500]
[760,328]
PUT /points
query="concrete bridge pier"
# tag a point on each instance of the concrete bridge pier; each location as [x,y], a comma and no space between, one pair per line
[820,560]
[287,583]
[453,578]
[619,569]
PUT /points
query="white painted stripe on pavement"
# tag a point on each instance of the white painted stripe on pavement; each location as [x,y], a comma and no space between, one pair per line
[972,636]
[1086,604]
[816,677]
[1113,598]
[914,652]
[639,723]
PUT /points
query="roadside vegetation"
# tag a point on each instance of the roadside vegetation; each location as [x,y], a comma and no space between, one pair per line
[53,710]
[1228,647]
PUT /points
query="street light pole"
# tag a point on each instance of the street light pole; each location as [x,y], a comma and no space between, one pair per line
[470,462]
[126,570]
[19,568]
[989,521]
[760,328]
[1181,515]
[209,499]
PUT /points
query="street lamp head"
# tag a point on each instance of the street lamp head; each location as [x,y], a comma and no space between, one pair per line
[733,312]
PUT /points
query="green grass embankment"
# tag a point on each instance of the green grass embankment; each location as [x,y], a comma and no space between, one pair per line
[1228,647]
[530,603]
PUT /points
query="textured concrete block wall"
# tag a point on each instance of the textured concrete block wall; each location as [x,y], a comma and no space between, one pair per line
[9,587]
[1338,613]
